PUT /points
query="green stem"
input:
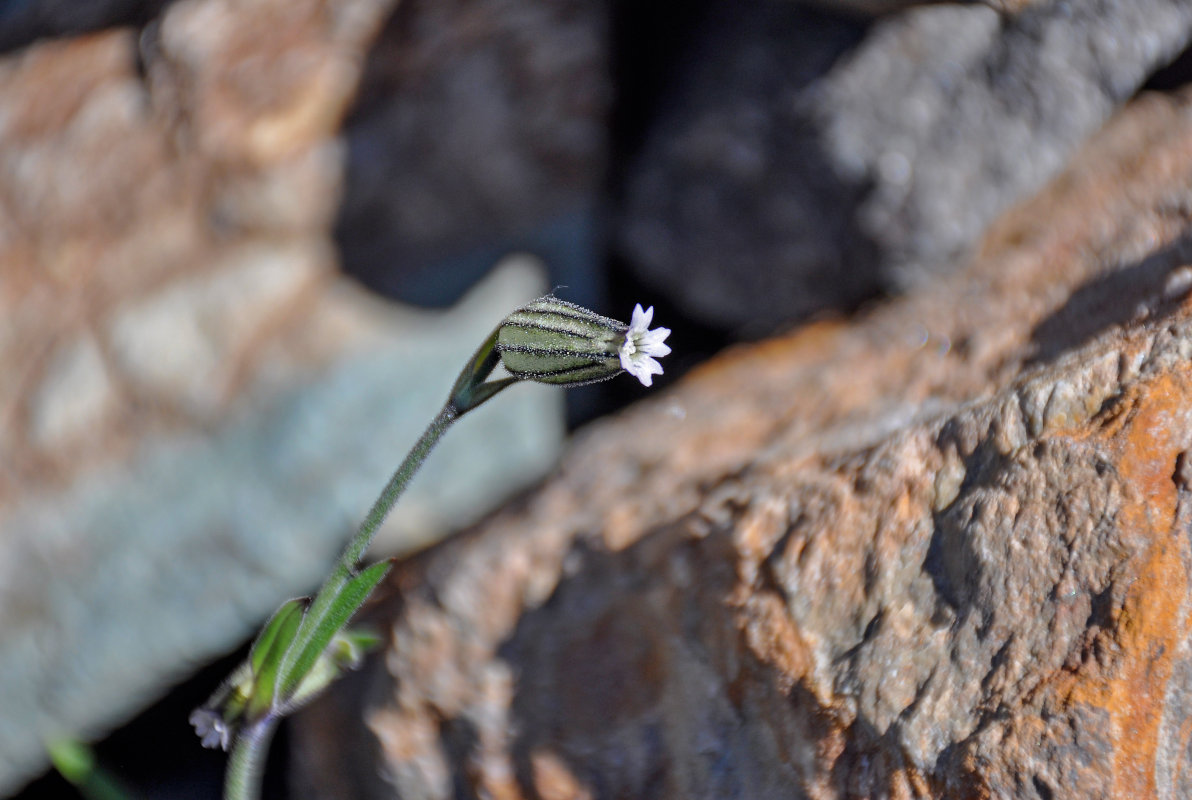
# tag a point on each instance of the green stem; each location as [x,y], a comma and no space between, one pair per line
[329,594]
[471,390]
[246,765]
[344,590]
[397,484]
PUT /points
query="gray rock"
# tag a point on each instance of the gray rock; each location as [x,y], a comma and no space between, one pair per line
[115,586]
[792,173]
[477,123]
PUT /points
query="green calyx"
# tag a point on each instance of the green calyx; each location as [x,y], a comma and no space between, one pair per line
[552,341]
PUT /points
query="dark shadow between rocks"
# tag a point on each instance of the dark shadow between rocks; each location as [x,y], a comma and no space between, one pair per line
[479,129]
[23,23]
[732,202]
[1150,287]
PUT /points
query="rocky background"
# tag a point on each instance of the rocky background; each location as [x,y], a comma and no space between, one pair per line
[925,535]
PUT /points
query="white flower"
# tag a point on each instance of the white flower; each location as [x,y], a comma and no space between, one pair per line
[211,728]
[641,345]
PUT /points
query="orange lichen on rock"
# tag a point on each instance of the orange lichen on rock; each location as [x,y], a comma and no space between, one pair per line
[1152,623]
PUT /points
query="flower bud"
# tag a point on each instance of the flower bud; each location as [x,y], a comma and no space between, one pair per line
[553,341]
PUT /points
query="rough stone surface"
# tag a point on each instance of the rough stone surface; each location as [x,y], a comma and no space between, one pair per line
[807,162]
[195,407]
[940,552]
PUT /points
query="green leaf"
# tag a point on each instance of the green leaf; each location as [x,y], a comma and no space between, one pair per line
[325,620]
[484,391]
[73,759]
[76,763]
[345,653]
[353,644]
[268,653]
[464,395]
[280,630]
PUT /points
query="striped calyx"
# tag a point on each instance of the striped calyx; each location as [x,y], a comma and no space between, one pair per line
[553,341]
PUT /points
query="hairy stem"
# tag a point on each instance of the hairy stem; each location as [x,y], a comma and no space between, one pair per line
[246,765]
[397,484]
[345,589]
[327,597]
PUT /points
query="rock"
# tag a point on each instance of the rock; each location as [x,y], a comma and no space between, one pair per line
[807,162]
[875,8]
[940,551]
[24,23]
[197,407]
[181,342]
[75,396]
[481,126]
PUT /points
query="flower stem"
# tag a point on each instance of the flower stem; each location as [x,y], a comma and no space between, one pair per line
[279,679]
[329,594]
[247,762]
[397,484]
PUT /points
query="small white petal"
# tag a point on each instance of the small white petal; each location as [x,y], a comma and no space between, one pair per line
[640,322]
[656,335]
[651,344]
[627,362]
[641,344]
[641,371]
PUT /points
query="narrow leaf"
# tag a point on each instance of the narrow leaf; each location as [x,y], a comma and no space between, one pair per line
[318,633]
[486,390]
[356,644]
[267,659]
[76,763]
[477,370]
[345,652]
[319,608]
[284,622]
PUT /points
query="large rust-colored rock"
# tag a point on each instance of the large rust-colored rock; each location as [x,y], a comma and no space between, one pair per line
[939,552]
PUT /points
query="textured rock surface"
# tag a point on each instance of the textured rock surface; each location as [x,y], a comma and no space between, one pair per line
[943,551]
[797,168]
[195,408]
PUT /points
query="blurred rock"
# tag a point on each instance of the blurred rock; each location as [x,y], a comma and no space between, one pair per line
[480,126]
[196,407]
[25,21]
[877,8]
[940,552]
[805,162]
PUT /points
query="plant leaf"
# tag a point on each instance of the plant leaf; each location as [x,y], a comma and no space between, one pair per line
[317,632]
[344,653]
[268,653]
[280,630]
[473,375]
